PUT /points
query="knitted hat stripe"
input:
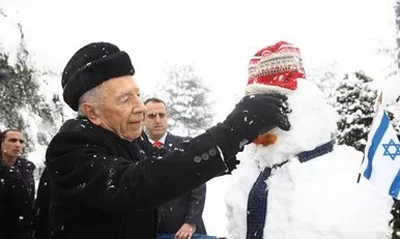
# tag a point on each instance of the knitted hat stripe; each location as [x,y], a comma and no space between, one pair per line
[271,67]
[286,80]
[283,62]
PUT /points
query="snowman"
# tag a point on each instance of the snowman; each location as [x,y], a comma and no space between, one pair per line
[299,184]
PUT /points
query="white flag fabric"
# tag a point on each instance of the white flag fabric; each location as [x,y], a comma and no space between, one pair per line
[382,155]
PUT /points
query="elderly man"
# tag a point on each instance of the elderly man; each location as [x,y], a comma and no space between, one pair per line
[100,187]
[182,215]
[17,187]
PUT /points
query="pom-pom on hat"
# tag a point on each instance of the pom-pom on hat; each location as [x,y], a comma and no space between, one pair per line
[90,66]
[275,67]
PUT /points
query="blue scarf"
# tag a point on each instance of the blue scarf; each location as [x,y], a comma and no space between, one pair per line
[258,196]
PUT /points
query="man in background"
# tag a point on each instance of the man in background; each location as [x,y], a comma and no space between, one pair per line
[17,187]
[183,215]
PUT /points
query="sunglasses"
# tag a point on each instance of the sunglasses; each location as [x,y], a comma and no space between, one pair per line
[154,115]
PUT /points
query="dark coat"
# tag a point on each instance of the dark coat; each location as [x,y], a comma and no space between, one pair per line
[17,190]
[101,189]
[187,208]
[41,207]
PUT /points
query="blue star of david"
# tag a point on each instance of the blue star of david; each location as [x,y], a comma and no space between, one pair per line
[387,151]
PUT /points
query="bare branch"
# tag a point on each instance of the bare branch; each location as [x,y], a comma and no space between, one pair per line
[2,13]
[21,32]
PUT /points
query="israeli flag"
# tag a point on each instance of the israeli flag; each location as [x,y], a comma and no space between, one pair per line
[382,155]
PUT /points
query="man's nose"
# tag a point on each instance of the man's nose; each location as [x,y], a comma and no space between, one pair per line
[139,107]
[142,107]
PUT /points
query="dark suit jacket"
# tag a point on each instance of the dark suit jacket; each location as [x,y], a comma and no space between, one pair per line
[187,208]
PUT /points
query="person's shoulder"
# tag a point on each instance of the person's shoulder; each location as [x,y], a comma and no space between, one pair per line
[77,137]
[79,131]
[26,164]
[172,140]
[3,167]
[77,124]
[182,138]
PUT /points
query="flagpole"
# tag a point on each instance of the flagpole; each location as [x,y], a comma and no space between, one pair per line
[359,175]
[377,103]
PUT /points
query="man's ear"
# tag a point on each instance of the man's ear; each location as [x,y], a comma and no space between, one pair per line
[91,113]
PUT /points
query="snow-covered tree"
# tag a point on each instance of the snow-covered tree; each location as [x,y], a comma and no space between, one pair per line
[22,106]
[397,21]
[355,99]
[187,99]
[395,222]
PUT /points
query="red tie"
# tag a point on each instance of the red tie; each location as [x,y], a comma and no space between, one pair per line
[157,144]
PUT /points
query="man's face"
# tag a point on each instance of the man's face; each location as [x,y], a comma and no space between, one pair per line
[156,120]
[13,144]
[121,110]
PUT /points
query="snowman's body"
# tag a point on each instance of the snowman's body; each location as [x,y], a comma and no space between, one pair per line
[316,199]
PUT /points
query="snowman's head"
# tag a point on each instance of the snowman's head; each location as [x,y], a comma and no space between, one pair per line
[279,69]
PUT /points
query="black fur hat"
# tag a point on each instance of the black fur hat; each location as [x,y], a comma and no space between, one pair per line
[90,66]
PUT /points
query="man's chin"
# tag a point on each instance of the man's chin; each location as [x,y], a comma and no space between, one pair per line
[131,137]
[159,132]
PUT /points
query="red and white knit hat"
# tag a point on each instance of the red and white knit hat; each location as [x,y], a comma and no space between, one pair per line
[275,68]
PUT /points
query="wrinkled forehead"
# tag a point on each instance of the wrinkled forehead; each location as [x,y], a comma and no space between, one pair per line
[120,86]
